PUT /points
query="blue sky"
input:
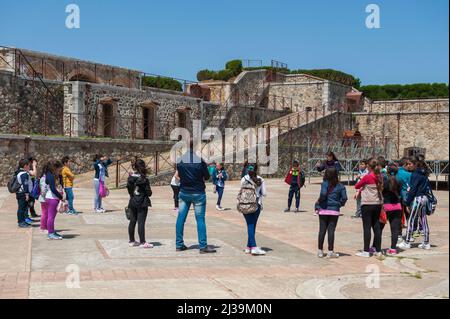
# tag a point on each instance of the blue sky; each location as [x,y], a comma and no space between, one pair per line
[180,37]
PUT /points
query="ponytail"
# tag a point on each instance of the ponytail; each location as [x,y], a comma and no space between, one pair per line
[373,165]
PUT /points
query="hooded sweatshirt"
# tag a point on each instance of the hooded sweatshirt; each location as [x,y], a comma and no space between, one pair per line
[419,185]
[369,193]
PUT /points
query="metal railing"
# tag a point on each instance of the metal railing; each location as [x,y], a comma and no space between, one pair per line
[33,65]
[401,106]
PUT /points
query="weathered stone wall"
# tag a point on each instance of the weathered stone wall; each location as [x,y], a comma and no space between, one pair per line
[249,87]
[395,106]
[425,130]
[57,68]
[26,108]
[335,95]
[13,148]
[300,78]
[240,116]
[127,105]
[302,94]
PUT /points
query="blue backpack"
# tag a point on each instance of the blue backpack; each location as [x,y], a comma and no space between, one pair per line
[36,191]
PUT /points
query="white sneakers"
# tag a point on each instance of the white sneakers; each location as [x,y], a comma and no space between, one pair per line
[364,254]
[256,251]
[425,246]
[404,245]
[100,211]
[219,208]
[331,254]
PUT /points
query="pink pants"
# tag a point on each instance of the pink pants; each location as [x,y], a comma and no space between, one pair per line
[52,210]
[44,215]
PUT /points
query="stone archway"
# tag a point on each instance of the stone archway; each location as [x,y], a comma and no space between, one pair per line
[106,117]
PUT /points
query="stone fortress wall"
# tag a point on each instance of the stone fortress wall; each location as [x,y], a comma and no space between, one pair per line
[94,100]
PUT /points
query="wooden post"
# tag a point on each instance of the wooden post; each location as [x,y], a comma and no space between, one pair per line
[156,163]
[117,173]
[70,125]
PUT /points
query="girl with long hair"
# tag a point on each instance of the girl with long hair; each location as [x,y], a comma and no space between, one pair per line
[392,205]
[138,186]
[371,186]
[333,196]
[252,219]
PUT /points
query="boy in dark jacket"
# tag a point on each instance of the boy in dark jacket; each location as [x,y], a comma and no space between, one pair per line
[23,194]
[296,179]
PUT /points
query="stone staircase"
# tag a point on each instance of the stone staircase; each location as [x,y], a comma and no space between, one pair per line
[283,124]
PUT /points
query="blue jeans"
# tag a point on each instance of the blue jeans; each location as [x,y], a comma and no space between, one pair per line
[219,194]
[97,199]
[294,190]
[22,209]
[199,202]
[70,197]
[252,220]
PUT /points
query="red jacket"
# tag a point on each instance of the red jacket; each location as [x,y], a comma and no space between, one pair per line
[300,178]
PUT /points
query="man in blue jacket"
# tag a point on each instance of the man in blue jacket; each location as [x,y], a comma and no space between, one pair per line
[193,173]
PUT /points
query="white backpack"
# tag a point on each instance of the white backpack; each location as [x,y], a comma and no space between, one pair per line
[247,199]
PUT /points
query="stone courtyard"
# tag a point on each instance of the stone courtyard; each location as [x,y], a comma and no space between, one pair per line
[96,245]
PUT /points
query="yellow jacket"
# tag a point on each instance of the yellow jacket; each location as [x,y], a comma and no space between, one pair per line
[68,177]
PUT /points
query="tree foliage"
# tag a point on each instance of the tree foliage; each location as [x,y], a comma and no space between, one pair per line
[162,83]
[408,91]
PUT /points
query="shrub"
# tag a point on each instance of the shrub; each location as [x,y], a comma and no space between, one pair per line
[223,75]
[204,75]
[232,69]
[332,75]
[235,66]
[162,83]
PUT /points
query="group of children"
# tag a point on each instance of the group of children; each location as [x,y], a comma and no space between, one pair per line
[398,193]
[52,188]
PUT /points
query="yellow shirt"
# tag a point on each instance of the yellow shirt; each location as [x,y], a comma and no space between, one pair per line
[68,177]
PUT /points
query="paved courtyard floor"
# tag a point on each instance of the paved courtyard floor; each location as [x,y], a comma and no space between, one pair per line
[95,250]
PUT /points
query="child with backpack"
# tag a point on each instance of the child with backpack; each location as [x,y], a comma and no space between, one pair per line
[21,185]
[249,203]
[43,188]
[420,202]
[219,177]
[333,196]
[68,178]
[53,196]
[295,178]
